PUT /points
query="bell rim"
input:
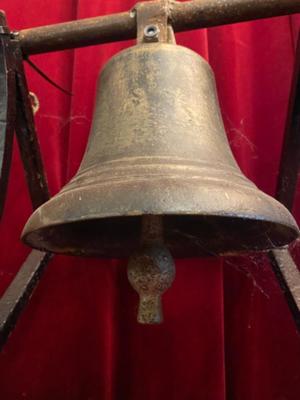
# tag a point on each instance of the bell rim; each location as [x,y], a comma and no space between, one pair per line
[36,226]
[291,230]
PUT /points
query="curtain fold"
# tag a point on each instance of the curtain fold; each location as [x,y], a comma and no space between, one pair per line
[227,333]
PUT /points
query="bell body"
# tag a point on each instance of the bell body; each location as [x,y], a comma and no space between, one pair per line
[158,147]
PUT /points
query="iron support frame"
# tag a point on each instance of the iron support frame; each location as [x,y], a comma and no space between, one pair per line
[182,16]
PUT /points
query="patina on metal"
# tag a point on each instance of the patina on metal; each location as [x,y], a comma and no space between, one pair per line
[151,270]
[184,16]
[158,147]
[152,21]
[266,217]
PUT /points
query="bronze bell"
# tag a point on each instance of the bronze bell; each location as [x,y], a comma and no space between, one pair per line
[158,148]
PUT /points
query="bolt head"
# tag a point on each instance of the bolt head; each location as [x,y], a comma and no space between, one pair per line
[151,33]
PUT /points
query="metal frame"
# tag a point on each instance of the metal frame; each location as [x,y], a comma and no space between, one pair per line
[284,267]
[16,114]
[19,292]
[182,16]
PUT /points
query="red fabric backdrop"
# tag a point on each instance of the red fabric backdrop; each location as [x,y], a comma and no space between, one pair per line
[228,333]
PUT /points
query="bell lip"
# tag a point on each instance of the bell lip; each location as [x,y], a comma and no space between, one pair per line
[291,230]
[179,198]
[140,213]
[81,195]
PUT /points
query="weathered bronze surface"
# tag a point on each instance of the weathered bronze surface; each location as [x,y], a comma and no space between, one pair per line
[151,270]
[185,15]
[158,147]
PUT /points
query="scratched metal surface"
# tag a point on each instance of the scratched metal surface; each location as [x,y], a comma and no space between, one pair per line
[158,147]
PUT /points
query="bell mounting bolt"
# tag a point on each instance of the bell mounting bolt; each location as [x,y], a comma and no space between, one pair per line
[152,21]
[151,33]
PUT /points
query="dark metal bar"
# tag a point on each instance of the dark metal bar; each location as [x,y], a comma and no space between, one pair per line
[19,292]
[16,114]
[285,269]
[290,156]
[85,32]
[7,108]
[288,277]
[27,139]
[122,26]
[207,13]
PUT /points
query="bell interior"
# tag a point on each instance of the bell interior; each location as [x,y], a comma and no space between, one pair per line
[184,235]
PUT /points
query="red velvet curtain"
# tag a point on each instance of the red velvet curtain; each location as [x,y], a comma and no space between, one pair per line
[228,333]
